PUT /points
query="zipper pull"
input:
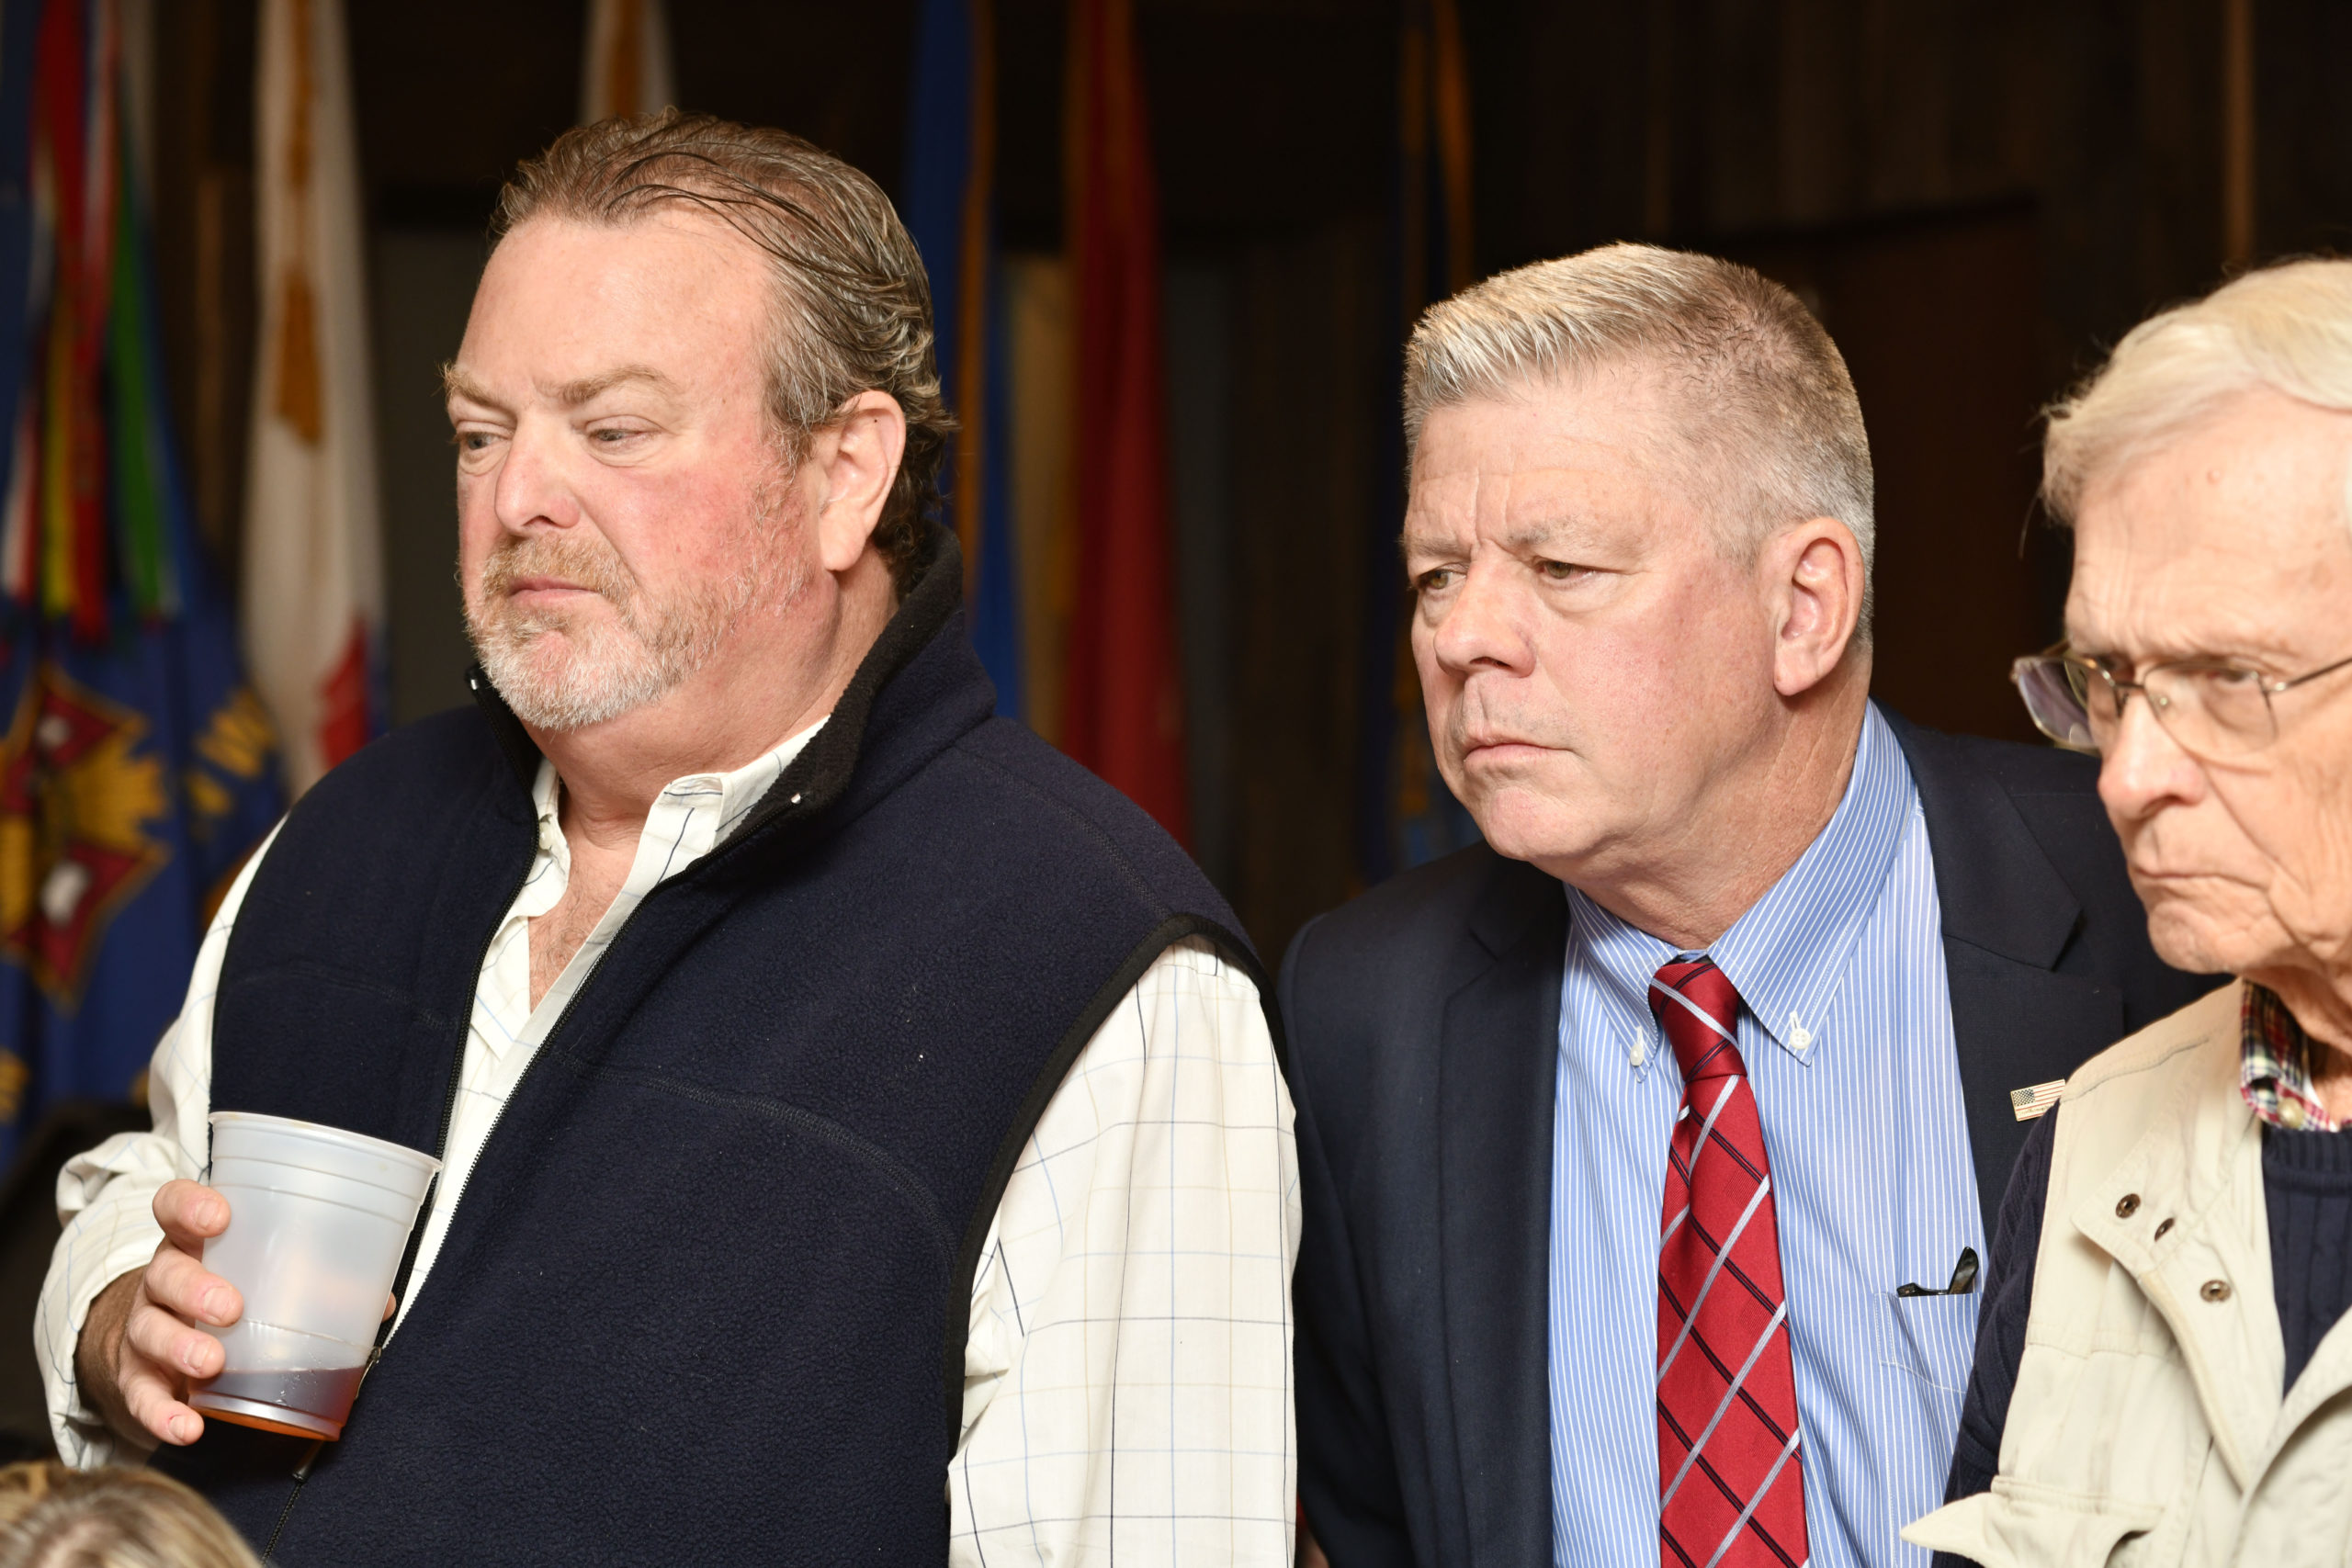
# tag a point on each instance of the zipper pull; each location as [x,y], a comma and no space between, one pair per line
[375,1354]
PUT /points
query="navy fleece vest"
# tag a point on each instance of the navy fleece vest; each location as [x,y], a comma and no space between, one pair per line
[703,1298]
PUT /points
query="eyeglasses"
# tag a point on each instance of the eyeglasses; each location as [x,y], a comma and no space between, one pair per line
[2211,707]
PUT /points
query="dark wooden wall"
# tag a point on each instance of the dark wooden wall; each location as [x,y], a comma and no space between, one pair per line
[1974,197]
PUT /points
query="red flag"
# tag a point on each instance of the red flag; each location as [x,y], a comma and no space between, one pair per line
[1123,712]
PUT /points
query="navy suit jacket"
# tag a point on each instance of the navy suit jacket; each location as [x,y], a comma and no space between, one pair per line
[1423,1024]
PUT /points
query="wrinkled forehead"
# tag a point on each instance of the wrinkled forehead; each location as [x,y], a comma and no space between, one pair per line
[2232,535]
[563,300]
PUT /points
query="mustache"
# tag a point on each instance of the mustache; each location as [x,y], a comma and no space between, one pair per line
[588,563]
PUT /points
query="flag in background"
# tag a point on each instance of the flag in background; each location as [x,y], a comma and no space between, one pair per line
[314,595]
[1123,710]
[625,68]
[1404,815]
[137,770]
[950,209]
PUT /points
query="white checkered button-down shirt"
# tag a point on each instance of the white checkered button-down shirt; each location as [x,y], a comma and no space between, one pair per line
[1128,1377]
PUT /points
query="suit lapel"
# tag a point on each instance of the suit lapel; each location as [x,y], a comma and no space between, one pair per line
[2007,917]
[1496,1078]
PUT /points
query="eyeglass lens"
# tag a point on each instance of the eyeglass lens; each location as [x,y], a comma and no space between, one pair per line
[2208,709]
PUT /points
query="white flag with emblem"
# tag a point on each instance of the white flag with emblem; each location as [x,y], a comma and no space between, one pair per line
[313,569]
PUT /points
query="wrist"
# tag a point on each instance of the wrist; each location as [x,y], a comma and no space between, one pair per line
[97,1352]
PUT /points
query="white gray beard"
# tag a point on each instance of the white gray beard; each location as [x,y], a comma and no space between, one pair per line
[602,669]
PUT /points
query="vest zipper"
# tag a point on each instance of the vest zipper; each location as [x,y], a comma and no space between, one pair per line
[449,1106]
[498,1115]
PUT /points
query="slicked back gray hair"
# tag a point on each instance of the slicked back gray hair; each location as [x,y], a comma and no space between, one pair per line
[852,303]
[1770,417]
[2287,328]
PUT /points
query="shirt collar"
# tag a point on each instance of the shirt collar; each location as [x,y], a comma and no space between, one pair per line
[1788,953]
[2275,1066]
[736,792]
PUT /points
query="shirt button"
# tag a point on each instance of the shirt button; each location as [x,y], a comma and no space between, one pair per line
[2215,1290]
[2162,1227]
[2128,1206]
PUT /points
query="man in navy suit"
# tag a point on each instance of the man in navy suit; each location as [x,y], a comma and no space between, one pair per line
[1648,1150]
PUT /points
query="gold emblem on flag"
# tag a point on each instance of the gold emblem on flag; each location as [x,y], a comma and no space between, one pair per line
[74,807]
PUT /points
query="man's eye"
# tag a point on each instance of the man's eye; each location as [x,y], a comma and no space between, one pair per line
[1436,579]
[613,436]
[474,440]
[1559,570]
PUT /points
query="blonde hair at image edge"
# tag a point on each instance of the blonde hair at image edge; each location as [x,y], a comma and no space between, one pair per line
[117,1517]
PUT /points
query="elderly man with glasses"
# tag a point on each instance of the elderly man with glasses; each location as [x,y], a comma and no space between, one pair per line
[2164,1369]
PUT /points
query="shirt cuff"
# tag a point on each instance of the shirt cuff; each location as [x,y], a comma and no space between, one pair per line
[114,1235]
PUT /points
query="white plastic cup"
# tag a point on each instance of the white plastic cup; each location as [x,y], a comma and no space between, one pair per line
[318,1218]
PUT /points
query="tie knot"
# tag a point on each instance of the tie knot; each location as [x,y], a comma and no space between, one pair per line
[1695,1004]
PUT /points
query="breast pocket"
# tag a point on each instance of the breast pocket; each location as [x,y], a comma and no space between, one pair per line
[1933,1338]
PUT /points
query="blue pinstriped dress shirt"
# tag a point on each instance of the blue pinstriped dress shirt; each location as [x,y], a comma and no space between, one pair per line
[1847,1038]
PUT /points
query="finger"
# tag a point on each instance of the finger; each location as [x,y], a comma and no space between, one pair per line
[150,1400]
[190,1214]
[391,1305]
[170,1344]
[178,1283]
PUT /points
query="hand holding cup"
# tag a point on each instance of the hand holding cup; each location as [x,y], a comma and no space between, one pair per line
[141,1346]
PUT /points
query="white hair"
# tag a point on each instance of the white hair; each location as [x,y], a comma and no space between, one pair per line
[2287,328]
[1772,415]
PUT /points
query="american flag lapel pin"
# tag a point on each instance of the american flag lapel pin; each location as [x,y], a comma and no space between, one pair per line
[2035,1100]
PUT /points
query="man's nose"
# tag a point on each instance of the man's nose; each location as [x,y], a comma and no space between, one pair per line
[1482,629]
[2142,767]
[531,489]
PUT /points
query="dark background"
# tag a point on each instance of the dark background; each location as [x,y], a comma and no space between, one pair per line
[1974,197]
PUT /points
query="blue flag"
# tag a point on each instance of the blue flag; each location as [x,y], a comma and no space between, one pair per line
[949,208]
[137,771]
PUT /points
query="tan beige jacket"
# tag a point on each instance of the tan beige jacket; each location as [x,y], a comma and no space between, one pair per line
[2147,1427]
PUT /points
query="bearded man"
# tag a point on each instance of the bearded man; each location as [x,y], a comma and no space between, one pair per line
[802,1041]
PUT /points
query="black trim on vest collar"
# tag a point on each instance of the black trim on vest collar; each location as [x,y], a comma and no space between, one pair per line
[818,777]
[1233,950]
[821,772]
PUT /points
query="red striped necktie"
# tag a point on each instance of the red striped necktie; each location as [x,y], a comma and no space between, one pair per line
[1731,1481]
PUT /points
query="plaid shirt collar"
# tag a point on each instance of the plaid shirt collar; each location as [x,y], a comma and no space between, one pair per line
[2274,1073]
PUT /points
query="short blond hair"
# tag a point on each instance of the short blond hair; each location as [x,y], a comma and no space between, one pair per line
[1773,417]
[2287,328]
[115,1518]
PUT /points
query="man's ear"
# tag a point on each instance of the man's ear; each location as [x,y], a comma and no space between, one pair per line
[1815,580]
[855,461]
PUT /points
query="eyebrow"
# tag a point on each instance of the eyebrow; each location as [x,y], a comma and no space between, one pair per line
[572,394]
[456,383]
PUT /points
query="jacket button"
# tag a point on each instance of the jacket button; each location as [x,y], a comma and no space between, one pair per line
[2127,1206]
[2215,1290]
[2162,1227]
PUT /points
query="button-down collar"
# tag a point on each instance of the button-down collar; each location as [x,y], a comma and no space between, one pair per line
[1788,953]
